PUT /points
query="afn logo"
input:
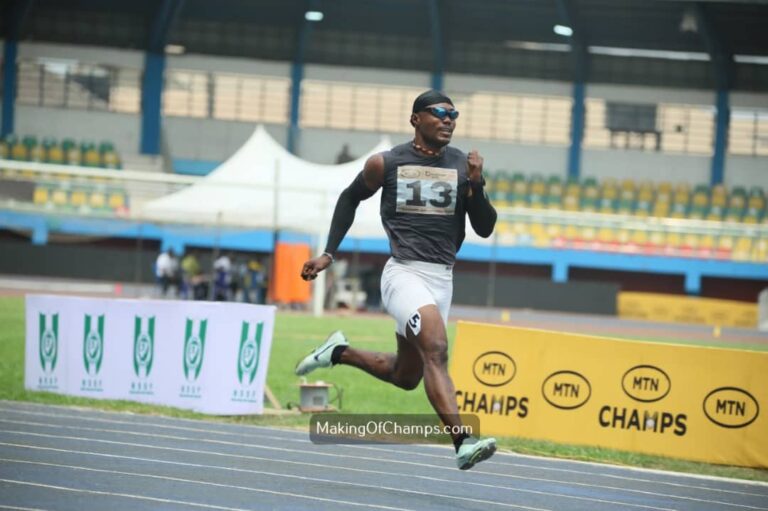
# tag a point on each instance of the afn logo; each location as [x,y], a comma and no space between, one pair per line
[93,344]
[194,348]
[143,345]
[49,341]
[250,347]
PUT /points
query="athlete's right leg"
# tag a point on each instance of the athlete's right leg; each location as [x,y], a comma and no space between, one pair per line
[403,369]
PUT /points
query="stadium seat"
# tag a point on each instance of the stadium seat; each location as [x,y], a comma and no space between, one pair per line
[117,200]
[41,196]
[60,198]
[90,155]
[554,198]
[72,155]
[35,151]
[680,201]
[519,194]
[715,213]
[737,202]
[590,195]
[18,150]
[97,200]
[609,194]
[52,151]
[742,250]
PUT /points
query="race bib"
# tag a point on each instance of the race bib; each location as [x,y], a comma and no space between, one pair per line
[426,190]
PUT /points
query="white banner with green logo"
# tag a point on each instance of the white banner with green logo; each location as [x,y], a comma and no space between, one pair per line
[203,356]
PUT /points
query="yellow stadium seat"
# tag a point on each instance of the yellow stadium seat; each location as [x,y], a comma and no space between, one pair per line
[116,200]
[658,238]
[59,197]
[606,235]
[639,236]
[674,239]
[19,151]
[78,198]
[742,249]
[97,200]
[41,195]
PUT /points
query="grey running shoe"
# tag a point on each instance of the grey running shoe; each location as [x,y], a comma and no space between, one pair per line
[321,356]
[474,451]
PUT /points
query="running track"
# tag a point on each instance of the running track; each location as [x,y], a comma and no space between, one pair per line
[58,458]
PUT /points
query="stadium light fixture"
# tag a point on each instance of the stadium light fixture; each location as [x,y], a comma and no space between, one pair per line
[175,49]
[313,16]
[563,30]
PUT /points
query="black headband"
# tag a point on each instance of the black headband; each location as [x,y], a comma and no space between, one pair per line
[431,97]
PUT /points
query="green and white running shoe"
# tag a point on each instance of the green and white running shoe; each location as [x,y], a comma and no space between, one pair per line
[321,356]
[473,451]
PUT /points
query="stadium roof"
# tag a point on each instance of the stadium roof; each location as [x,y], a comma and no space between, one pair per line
[492,37]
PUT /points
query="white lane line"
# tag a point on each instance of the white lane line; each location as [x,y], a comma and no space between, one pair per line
[5,506]
[499,458]
[259,490]
[357,470]
[124,495]
[344,457]
[378,462]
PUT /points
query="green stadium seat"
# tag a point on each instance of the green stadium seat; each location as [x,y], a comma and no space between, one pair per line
[72,154]
[90,155]
[52,151]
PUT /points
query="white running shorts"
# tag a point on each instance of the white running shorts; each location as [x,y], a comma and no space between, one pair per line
[408,285]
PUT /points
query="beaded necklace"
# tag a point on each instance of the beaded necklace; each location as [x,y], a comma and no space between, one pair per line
[428,152]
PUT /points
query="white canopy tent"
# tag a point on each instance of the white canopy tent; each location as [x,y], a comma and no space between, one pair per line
[264,186]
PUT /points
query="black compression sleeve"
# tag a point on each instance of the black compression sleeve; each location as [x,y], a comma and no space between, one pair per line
[482,215]
[344,214]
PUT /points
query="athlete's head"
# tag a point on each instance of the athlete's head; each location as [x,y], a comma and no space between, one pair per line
[434,118]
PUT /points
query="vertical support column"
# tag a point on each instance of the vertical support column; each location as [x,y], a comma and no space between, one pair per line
[151,102]
[560,272]
[437,45]
[578,114]
[722,124]
[297,75]
[693,282]
[10,52]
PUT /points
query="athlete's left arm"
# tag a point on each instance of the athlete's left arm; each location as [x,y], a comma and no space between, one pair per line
[482,215]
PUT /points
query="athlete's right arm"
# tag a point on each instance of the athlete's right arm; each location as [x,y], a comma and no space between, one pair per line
[367,182]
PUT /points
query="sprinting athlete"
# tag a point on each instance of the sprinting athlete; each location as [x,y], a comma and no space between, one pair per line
[428,190]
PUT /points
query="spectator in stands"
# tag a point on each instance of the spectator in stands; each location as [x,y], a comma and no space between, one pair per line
[193,281]
[222,274]
[428,189]
[167,272]
[344,156]
[255,283]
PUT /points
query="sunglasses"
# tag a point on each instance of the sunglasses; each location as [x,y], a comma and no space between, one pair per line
[441,113]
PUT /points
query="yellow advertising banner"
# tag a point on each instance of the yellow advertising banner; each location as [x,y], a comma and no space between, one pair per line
[686,309]
[697,403]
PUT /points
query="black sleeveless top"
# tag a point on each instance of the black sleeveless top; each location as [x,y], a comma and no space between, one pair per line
[423,202]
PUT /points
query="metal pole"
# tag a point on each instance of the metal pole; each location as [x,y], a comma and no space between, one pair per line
[490,299]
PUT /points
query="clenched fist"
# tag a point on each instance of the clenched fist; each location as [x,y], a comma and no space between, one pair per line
[474,166]
[314,266]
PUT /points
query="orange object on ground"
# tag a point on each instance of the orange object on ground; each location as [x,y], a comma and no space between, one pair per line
[286,284]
